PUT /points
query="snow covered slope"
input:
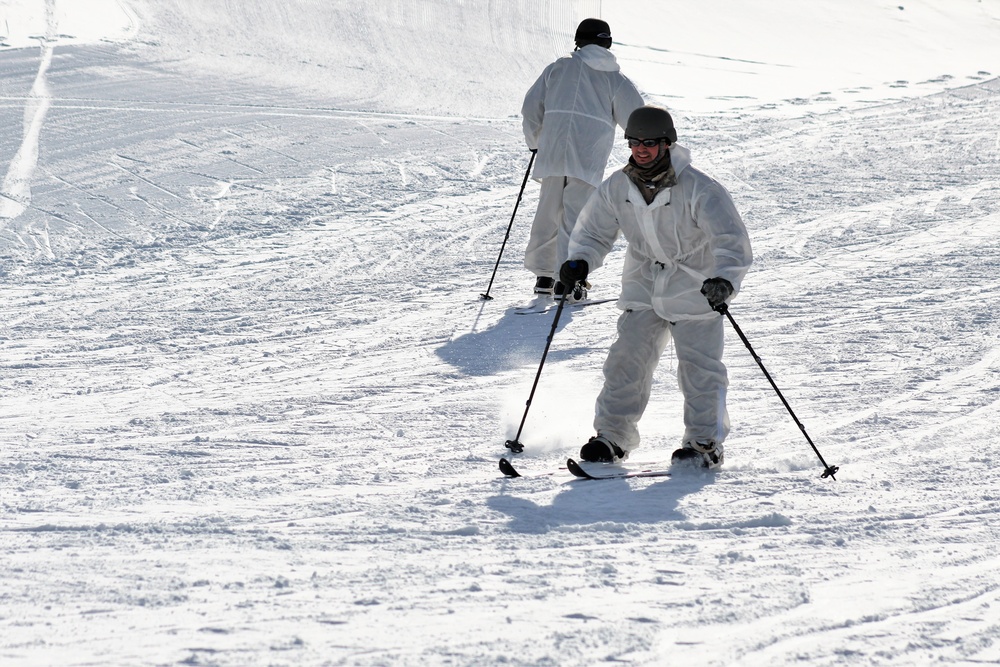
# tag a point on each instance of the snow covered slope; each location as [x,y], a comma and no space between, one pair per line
[253,405]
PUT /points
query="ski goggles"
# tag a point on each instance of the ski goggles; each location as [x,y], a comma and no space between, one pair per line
[648,143]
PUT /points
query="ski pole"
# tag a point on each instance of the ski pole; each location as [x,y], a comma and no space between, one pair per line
[515,444]
[828,470]
[486,295]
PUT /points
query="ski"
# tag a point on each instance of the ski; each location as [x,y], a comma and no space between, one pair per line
[578,471]
[539,304]
[537,308]
[509,471]
[507,468]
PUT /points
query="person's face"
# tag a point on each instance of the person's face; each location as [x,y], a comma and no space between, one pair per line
[644,154]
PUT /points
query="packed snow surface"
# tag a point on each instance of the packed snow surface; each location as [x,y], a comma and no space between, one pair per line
[253,403]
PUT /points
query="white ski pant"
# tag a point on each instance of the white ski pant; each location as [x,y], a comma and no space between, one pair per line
[559,204]
[628,377]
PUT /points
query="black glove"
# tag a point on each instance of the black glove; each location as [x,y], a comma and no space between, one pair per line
[573,271]
[716,290]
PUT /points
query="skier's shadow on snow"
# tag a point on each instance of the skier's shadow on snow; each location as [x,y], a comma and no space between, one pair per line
[607,503]
[514,341]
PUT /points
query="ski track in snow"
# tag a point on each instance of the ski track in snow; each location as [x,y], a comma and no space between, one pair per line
[15,191]
[253,405]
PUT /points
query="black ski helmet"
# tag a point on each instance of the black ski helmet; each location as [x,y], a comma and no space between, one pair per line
[593,31]
[651,122]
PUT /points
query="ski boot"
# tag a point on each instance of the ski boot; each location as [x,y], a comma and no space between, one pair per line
[601,450]
[696,454]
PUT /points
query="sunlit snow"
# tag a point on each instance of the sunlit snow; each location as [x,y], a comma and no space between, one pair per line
[253,404]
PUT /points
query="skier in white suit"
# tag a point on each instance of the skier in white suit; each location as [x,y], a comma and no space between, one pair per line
[688,252]
[570,116]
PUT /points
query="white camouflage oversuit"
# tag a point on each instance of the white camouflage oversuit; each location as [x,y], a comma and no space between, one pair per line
[569,116]
[691,231]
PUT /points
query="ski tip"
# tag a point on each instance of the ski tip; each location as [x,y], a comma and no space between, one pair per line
[508,469]
[576,470]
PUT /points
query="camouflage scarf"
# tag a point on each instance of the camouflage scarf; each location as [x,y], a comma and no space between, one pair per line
[652,178]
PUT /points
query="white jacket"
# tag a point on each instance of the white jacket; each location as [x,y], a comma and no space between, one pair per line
[571,111]
[690,232]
